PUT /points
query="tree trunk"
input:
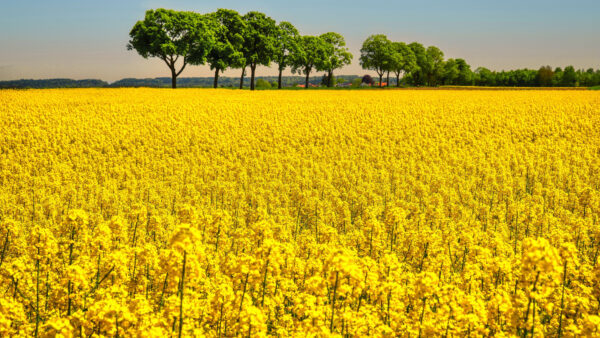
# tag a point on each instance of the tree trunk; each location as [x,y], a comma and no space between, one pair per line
[216,84]
[330,79]
[173,78]
[398,80]
[252,71]
[388,80]
[380,80]
[307,77]
[242,78]
[279,80]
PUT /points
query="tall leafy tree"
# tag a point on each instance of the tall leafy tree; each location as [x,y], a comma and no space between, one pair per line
[403,60]
[309,56]
[465,74]
[226,51]
[544,76]
[569,77]
[417,75]
[376,54]
[260,43]
[172,36]
[434,65]
[485,77]
[287,44]
[450,72]
[337,56]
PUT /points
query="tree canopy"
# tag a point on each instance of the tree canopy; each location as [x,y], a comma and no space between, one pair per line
[310,55]
[403,60]
[226,52]
[260,41]
[337,55]
[376,54]
[172,35]
[287,44]
[225,40]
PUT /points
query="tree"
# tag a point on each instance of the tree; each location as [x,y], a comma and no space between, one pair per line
[434,65]
[337,56]
[450,72]
[569,77]
[170,36]
[226,51]
[309,56]
[287,43]
[557,78]
[465,75]
[328,81]
[544,76]
[417,75]
[262,83]
[260,45]
[485,77]
[376,54]
[367,79]
[403,60]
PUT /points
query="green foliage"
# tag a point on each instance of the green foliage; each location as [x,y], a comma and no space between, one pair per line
[376,54]
[309,56]
[434,65]
[457,72]
[417,76]
[544,76]
[261,83]
[53,83]
[328,80]
[170,35]
[226,51]
[337,55]
[287,44]
[356,82]
[260,41]
[569,78]
[225,39]
[403,59]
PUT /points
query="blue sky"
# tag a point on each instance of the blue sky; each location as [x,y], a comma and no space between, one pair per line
[87,39]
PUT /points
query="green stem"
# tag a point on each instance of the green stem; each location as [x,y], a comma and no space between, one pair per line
[4,248]
[37,290]
[333,300]
[264,284]
[422,315]
[562,300]
[181,295]
[243,294]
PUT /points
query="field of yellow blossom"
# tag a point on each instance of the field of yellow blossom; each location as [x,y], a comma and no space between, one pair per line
[149,212]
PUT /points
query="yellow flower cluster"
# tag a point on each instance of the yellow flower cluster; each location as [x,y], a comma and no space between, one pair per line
[147,212]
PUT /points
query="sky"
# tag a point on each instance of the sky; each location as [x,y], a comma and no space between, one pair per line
[83,39]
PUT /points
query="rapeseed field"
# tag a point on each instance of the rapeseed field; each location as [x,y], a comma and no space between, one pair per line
[152,213]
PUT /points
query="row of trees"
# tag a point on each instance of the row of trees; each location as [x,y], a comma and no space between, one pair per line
[426,66]
[420,65]
[227,40]
[543,77]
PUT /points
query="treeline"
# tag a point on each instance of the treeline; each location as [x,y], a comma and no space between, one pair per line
[53,83]
[425,66]
[543,77]
[225,39]
[263,82]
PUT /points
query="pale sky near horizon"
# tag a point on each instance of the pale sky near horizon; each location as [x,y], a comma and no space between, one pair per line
[87,39]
